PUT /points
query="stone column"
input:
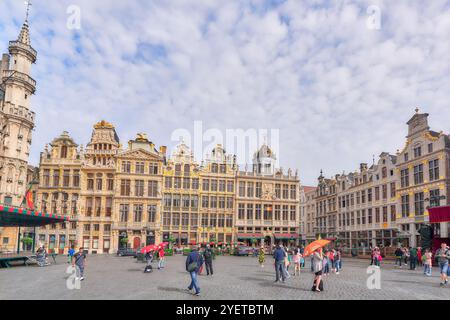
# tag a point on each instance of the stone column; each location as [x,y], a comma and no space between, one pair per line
[444,229]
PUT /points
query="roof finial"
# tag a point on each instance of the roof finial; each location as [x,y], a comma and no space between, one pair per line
[417,109]
[28,4]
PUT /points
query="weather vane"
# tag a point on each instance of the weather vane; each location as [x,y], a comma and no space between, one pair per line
[28,4]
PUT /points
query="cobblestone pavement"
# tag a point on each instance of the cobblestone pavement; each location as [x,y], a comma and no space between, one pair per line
[111,277]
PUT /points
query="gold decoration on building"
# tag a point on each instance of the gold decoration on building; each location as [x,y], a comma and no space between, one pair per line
[103,125]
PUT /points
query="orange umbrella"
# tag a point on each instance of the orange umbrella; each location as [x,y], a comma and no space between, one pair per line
[313,246]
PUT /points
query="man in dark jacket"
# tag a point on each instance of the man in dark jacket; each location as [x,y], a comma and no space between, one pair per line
[193,262]
[208,255]
[279,255]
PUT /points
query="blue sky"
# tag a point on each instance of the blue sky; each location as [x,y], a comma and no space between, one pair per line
[338,91]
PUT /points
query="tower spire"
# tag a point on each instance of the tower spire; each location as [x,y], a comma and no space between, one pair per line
[28,4]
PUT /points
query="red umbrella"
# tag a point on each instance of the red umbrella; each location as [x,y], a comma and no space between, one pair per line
[149,248]
[164,244]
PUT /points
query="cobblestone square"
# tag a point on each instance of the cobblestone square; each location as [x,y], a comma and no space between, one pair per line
[111,277]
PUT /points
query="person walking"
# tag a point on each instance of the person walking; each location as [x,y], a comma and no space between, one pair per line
[317,262]
[279,256]
[399,256]
[208,256]
[261,256]
[287,263]
[337,261]
[427,262]
[193,262]
[70,254]
[161,262]
[419,256]
[79,260]
[412,258]
[296,260]
[326,265]
[406,255]
[443,257]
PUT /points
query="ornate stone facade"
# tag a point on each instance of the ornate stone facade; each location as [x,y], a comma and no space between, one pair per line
[424,178]
[16,125]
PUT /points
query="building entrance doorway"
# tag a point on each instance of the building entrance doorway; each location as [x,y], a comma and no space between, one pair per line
[136,243]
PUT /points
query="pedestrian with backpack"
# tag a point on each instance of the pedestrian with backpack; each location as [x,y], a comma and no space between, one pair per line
[208,256]
[193,262]
[443,257]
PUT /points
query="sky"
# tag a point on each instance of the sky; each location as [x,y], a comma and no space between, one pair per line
[336,81]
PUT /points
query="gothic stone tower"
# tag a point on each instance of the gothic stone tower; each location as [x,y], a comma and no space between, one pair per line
[16,117]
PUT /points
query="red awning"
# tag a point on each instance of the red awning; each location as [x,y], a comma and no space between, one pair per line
[439,214]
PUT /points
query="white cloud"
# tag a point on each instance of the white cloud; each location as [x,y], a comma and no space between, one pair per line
[337,91]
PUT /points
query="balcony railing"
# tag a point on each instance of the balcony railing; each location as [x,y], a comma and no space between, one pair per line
[23,77]
[23,46]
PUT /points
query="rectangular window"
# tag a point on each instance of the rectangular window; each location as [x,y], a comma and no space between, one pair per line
[221,202]
[205,201]
[405,206]
[167,200]
[153,189]
[241,189]
[257,212]
[419,204]
[258,191]
[221,185]
[418,174]
[230,203]
[249,211]
[46,178]
[293,192]
[168,182]
[435,200]
[108,206]
[417,152]
[434,169]
[250,189]
[278,190]
[430,148]
[139,188]
[125,187]
[126,166]
[123,211]
[194,220]
[140,167]
[177,183]
[137,210]
[153,169]
[56,178]
[241,211]
[213,185]
[404,178]
[230,186]
[66,178]
[195,183]
[205,184]
[285,191]
[186,183]
[393,189]
[214,202]
[89,203]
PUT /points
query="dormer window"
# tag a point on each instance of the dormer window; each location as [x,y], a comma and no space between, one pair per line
[63,152]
